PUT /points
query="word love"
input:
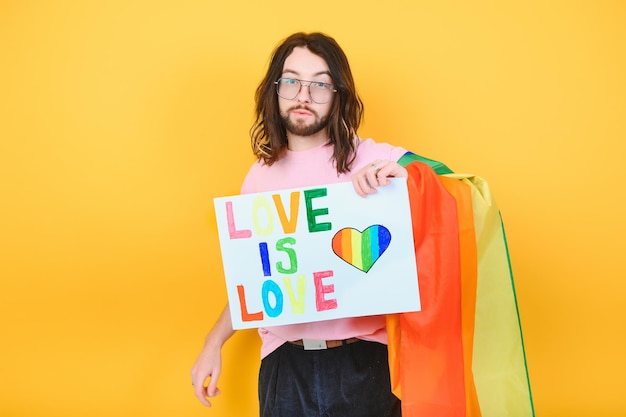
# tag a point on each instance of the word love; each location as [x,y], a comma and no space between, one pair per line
[263,218]
[273,297]
[265,214]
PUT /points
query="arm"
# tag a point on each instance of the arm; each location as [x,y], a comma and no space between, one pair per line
[376,174]
[209,362]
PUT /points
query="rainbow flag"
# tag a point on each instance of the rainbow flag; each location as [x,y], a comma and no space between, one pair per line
[463,354]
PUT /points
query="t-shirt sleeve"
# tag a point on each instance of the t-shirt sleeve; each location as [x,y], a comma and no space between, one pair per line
[370,150]
[396,153]
[247,187]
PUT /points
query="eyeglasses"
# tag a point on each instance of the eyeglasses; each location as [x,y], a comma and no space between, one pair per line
[289,88]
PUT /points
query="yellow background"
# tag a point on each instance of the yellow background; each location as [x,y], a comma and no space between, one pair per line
[120,121]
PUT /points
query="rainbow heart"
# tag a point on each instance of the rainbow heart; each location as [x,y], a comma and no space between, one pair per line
[361,249]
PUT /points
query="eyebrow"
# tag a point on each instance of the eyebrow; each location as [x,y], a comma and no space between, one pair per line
[314,75]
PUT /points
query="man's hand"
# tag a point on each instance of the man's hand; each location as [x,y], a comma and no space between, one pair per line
[209,362]
[376,174]
[207,366]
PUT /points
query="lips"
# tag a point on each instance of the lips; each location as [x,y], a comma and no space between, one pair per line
[299,111]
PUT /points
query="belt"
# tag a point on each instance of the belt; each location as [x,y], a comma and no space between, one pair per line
[314,344]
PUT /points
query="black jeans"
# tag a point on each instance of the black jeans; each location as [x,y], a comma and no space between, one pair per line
[346,381]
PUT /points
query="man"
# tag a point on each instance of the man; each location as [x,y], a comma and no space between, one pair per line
[305,134]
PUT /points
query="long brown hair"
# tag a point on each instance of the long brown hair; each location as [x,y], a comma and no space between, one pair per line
[268,135]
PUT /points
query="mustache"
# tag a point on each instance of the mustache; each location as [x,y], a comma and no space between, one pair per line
[301,107]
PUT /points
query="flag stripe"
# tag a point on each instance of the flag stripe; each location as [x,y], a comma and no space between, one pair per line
[481,344]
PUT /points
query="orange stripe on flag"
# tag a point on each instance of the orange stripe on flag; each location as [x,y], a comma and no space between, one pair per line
[469,274]
[428,345]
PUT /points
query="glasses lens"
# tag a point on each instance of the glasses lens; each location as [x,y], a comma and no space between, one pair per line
[288,88]
[321,93]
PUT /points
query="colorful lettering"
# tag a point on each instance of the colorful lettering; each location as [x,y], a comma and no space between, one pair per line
[265,259]
[259,203]
[297,304]
[321,303]
[245,316]
[312,213]
[270,286]
[293,259]
[289,224]
[232,229]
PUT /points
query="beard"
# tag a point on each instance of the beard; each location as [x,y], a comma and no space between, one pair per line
[300,128]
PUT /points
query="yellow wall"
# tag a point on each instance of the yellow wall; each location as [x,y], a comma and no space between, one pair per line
[121,120]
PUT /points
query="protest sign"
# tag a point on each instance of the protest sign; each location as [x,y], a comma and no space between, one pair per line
[317,253]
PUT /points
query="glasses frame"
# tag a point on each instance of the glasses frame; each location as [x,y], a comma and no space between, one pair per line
[327,85]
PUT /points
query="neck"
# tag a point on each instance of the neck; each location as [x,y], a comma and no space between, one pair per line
[303,143]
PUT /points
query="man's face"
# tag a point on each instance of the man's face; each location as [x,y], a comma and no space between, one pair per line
[302,116]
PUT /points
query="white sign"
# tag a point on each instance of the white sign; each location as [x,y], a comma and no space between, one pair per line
[317,253]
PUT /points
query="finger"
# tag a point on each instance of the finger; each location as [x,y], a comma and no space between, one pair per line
[361,184]
[368,182]
[392,170]
[384,171]
[371,175]
[212,389]
[201,393]
[357,186]
[396,170]
[383,180]
[383,175]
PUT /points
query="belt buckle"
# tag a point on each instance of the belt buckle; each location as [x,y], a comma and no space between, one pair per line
[314,344]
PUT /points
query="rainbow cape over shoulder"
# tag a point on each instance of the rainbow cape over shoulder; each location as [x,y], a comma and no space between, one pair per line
[463,354]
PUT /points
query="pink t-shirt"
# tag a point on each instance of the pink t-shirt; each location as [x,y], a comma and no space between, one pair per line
[311,168]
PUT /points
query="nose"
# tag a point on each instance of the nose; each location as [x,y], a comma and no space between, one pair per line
[304,95]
